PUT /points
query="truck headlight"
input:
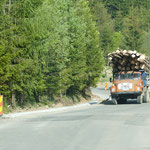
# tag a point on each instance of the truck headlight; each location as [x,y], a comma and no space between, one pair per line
[138,88]
[113,89]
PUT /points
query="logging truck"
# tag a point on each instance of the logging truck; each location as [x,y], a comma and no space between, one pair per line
[130,85]
[131,77]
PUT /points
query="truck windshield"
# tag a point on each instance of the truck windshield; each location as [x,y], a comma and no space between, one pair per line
[121,76]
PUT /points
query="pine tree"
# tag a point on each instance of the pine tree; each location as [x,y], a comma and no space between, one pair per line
[146,44]
[77,48]
[105,25]
[133,35]
[119,22]
[114,6]
[94,55]
[50,45]
[8,50]
[22,80]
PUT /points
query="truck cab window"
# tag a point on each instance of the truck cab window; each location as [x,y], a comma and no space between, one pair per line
[127,76]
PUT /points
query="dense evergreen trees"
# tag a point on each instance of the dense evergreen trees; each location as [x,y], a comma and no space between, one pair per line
[105,25]
[48,48]
[128,26]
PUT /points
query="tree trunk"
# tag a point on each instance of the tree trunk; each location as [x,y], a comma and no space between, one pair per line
[13,99]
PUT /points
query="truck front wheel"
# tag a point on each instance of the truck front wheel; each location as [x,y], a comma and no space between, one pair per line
[140,99]
[146,96]
[114,101]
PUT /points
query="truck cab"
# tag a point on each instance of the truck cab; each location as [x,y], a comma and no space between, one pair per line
[130,85]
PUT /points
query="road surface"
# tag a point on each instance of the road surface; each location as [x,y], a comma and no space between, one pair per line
[97,127]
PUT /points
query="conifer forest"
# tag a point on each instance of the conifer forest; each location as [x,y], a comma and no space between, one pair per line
[56,48]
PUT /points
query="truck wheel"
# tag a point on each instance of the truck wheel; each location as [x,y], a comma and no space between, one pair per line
[114,101]
[146,97]
[140,99]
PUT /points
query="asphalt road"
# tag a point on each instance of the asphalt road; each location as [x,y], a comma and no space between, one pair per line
[99,91]
[97,127]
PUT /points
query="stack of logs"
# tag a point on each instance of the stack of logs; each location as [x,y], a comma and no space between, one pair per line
[125,60]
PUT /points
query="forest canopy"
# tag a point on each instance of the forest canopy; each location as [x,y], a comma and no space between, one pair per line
[48,49]
[122,23]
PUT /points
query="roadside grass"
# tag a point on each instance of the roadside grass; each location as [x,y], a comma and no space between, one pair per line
[46,103]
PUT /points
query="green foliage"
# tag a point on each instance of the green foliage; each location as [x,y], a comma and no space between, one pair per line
[77,48]
[146,43]
[119,22]
[105,25]
[114,6]
[117,40]
[123,6]
[130,20]
[94,56]
[48,48]
[133,35]
[52,42]
[8,50]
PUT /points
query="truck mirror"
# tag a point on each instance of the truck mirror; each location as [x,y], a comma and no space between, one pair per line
[110,79]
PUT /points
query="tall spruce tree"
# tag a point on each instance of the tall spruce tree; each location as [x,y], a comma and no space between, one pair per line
[24,81]
[133,35]
[77,47]
[104,24]
[94,55]
[50,45]
[146,44]
[8,50]
[114,6]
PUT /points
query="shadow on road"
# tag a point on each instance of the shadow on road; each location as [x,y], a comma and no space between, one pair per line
[108,102]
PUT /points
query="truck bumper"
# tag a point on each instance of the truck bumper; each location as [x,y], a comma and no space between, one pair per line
[120,93]
[126,95]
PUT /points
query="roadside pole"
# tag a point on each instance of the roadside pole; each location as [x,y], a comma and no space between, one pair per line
[105,86]
[1,105]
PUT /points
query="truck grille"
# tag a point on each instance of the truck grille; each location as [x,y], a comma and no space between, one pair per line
[125,86]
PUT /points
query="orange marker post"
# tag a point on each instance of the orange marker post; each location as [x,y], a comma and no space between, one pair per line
[1,105]
[105,86]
